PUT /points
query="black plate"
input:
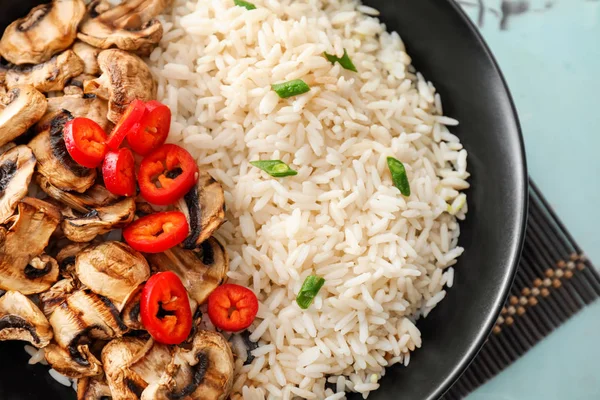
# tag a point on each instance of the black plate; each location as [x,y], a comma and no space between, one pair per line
[447,49]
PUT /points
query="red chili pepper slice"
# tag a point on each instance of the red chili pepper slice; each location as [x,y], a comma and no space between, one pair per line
[118,171]
[85,141]
[158,232]
[152,131]
[167,174]
[232,307]
[126,124]
[165,308]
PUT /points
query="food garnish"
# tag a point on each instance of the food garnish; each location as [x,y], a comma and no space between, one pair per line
[245,4]
[157,232]
[275,168]
[85,142]
[126,124]
[152,130]
[118,171]
[167,174]
[165,308]
[232,307]
[399,176]
[291,88]
[311,286]
[344,61]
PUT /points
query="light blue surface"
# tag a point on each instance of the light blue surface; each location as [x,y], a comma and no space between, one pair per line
[550,56]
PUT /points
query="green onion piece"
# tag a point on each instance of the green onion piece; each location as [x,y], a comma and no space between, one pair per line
[245,4]
[276,168]
[399,175]
[291,88]
[311,286]
[344,61]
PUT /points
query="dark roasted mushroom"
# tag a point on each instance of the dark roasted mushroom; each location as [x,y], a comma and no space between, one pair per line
[51,298]
[94,197]
[131,310]
[20,245]
[93,388]
[112,269]
[125,77]
[16,168]
[204,372]
[49,76]
[21,319]
[66,259]
[201,270]
[47,29]
[129,26]
[84,228]
[204,208]
[83,364]
[20,108]
[78,105]
[54,161]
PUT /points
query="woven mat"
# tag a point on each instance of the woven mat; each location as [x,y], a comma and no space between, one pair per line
[554,281]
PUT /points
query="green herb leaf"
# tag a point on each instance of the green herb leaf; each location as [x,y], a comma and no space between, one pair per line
[344,61]
[311,286]
[245,4]
[276,168]
[399,176]
[291,88]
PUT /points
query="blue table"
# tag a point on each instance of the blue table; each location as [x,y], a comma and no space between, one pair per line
[549,51]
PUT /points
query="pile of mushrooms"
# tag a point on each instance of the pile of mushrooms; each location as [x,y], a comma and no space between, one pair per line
[64,286]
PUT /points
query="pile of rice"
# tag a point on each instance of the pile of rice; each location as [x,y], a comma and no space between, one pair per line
[385,258]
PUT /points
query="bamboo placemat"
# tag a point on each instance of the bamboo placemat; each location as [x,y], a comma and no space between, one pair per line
[554,281]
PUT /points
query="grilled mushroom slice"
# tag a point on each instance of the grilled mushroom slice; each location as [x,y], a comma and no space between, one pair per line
[201,270]
[125,77]
[130,364]
[49,76]
[84,364]
[93,388]
[16,169]
[99,221]
[128,26]
[95,197]
[204,208]
[89,56]
[78,105]
[20,108]
[112,269]
[131,310]
[51,298]
[47,29]
[54,161]
[204,372]
[21,319]
[22,242]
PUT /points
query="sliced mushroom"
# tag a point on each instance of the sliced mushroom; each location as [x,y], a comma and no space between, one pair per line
[95,197]
[125,77]
[84,364]
[112,269]
[23,242]
[16,169]
[201,270]
[130,364]
[91,107]
[204,372]
[129,26]
[51,298]
[54,161]
[93,388]
[66,259]
[20,108]
[84,228]
[204,208]
[131,310]
[47,29]
[74,87]
[21,319]
[49,76]
[89,56]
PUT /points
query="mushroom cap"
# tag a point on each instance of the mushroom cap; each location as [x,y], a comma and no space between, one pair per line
[21,319]
[16,168]
[201,270]
[49,76]
[54,161]
[22,107]
[125,77]
[22,242]
[93,388]
[89,56]
[91,107]
[112,269]
[45,31]
[95,197]
[83,365]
